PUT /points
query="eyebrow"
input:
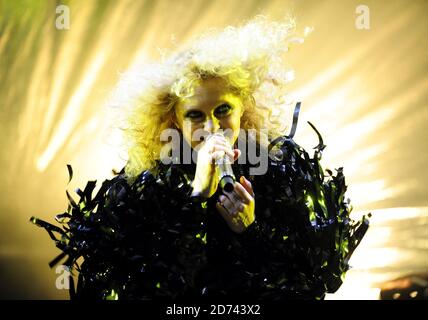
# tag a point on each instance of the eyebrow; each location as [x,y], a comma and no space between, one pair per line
[194,108]
[190,110]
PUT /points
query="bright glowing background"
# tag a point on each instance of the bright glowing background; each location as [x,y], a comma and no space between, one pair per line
[365,90]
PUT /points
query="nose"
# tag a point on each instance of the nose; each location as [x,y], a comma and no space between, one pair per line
[211,125]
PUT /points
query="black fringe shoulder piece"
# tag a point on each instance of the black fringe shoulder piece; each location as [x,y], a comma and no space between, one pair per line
[151,240]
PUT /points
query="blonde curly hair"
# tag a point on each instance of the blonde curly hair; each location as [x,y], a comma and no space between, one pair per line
[248,58]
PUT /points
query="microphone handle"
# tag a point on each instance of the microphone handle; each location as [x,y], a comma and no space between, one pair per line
[226,175]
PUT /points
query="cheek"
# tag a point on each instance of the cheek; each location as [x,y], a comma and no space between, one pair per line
[189,133]
[236,128]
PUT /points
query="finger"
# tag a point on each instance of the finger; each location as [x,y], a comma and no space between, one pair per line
[219,142]
[240,208]
[247,185]
[231,203]
[222,211]
[237,153]
[226,202]
[225,148]
[211,143]
[222,151]
[242,193]
[217,139]
[227,206]
[217,156]
[219,146]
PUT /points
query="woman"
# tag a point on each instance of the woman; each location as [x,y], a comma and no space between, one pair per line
[163,227]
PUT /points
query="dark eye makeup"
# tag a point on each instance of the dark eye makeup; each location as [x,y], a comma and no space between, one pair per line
[221,111]
[193,114]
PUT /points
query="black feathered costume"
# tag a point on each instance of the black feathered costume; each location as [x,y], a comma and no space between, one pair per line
[150,239]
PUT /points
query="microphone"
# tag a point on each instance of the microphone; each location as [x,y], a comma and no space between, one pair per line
[226,175]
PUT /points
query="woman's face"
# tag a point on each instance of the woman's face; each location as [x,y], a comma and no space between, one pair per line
[213,107]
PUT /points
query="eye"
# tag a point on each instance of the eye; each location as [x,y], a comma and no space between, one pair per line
[223,110]
[194,115]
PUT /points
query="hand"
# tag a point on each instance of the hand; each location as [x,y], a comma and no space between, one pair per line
[206,175]
[237,207]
